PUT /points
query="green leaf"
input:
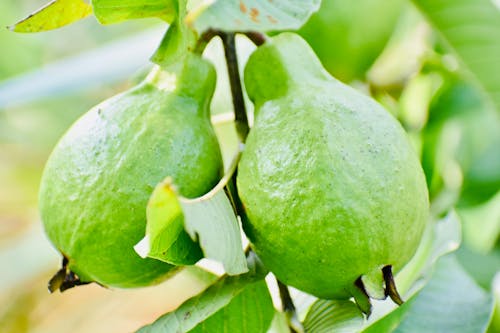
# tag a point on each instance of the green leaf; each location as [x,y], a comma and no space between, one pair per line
[209,219]
[251,311]
[440,238]
[209,302]
[257,15]
[279,323]
[177,42]
[166,238]
[482,267]
[114,11]
[450,302]
[333,316]
[481,224]
[472,30]
[54,15]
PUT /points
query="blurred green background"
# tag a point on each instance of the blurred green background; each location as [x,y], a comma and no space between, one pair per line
[49,79]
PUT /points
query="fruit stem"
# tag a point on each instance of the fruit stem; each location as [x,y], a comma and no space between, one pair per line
[240,113]
[256,37]
[390,285]
[289,309]
[204,39]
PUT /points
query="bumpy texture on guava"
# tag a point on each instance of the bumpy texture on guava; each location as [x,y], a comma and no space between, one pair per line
[98,180]
[331,187]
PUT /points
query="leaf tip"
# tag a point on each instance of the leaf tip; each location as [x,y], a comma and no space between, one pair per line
[143,247]
[211,266]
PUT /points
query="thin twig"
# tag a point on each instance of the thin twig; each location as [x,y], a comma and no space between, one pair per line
[240,113]
[289,309]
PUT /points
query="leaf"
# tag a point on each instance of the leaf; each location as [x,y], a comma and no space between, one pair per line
[166,238]
[472,30]
[481,224]
[482,267]
[441,238]
[115,11]
[279,323]
[209,219]
[257,15]
[209,302]
[54,15]
[177,42]
[333,316]
[251,311]
[450,302]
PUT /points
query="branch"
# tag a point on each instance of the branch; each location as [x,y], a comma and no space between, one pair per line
[289,309]
[240,113]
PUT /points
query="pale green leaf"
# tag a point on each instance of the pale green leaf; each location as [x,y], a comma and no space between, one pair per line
[482,224]
[327,316]
[54,15]
[256,15]
[450,302]
[209,219]
[166,238]
[114,11]
[251,312]
[177,42]
[440,238]
[209,302]
[472,30]
[279,323]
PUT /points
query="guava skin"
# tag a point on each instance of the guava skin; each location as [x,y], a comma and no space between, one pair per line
[98,179]
[331,187]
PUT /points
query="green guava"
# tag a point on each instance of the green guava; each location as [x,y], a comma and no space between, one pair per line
[331,187]
[97,181]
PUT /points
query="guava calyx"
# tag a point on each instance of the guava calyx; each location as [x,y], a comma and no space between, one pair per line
[64,279]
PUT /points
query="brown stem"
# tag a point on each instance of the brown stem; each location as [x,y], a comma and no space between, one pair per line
[204,39]
[256,37]
[240,113]
[289,308]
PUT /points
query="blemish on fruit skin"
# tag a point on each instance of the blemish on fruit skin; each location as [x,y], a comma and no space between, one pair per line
[243,8]
[254,13]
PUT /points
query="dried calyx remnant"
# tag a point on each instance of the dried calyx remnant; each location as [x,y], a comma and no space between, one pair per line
[390,285]
[64,279]
[362,298]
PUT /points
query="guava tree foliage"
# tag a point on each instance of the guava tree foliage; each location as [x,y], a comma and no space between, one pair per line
[379,222]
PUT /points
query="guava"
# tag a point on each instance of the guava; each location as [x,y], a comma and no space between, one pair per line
[97,181]
[332,190]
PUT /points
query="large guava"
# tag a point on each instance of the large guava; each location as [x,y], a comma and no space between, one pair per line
[332,189]
[98,180]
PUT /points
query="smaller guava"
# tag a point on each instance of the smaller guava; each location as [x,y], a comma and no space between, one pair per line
[98,180]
